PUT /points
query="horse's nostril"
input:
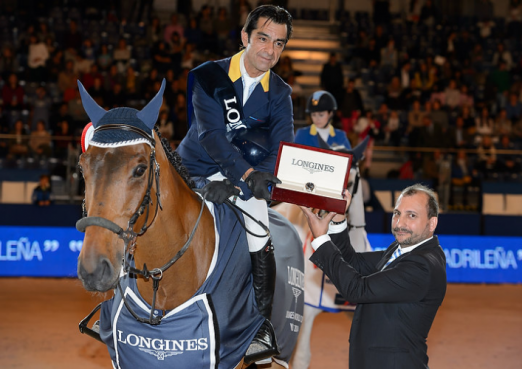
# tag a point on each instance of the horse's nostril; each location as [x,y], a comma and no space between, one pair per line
[101,279]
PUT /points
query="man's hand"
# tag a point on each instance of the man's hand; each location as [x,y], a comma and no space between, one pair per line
[219,191]
[319,225]
[258,183]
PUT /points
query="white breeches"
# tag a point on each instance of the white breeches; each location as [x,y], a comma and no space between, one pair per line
[258,209]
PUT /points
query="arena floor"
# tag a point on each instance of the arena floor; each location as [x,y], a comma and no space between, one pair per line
[478,326]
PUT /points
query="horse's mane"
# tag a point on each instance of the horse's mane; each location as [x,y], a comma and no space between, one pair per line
[175,160]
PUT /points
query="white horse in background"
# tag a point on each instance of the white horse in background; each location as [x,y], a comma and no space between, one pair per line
[320,294]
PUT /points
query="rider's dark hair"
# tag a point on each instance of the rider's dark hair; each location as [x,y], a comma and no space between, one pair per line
[175,160]
[274,14]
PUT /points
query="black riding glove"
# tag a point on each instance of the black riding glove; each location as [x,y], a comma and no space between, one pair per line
[219,191]
[258,183]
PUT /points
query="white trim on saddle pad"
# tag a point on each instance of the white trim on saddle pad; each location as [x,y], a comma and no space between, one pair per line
[131,296]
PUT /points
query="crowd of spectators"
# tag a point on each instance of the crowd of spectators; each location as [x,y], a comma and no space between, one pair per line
[448,85]
[419,79]
[120,60]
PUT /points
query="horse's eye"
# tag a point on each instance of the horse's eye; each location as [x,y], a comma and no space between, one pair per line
[140,171]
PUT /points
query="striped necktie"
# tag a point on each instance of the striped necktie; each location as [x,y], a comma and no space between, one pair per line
[394,256]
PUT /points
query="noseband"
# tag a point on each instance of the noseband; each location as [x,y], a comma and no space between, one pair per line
[129,236]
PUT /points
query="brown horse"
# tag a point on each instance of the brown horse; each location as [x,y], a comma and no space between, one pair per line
[137,191]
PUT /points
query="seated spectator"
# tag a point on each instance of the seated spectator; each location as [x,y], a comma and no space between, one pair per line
[36,60]
[55,65]
[452,95]
[463,177]
[180,113]
[18,146]
[77,112]
[508,164]
[13,97]
[425,78]
[42,194]
[367,125]
[392,130]
[393,94]
[192,33]
[389,58]
[465,97]
[503,124]
[67,81]
[208,33]
[438,115]
[487,157]
[40,140]
[161,57]
[503,55]
[173,26]
[410,94]
[87,79]
[459,135]
[164,125]
[176,52]
[467,116]
[41,105]
[436,94]
[116,97]
[104,59]
[223,27]
[431,134]
[513,108]
[154,31]
[63,139]
[484,124]
[415,122]
[97,92]
[112,78]
[131,83]
[88,50]
[61,115]
[8,62]
[122,55]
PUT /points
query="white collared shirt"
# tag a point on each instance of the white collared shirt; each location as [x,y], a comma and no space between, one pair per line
[249,83]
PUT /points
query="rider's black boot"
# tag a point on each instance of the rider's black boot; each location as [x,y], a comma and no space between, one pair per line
[264,344]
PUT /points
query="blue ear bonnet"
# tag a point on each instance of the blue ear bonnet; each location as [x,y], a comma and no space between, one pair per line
[144,120]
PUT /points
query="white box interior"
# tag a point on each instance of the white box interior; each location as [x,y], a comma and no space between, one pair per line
[298,166]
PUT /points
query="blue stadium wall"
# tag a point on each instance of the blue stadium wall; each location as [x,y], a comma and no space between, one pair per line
[42,242]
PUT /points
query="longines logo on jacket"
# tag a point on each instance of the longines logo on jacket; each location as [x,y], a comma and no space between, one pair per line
[162,348]
[313,167]
[232,114]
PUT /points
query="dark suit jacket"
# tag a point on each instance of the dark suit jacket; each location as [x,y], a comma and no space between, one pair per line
[395,307]
[205,150]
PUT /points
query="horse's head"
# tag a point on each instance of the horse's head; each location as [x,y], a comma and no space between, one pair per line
[119,167]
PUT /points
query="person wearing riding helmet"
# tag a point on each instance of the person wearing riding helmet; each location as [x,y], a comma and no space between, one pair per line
[322,106]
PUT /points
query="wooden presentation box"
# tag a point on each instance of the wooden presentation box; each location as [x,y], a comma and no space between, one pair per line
[312,177]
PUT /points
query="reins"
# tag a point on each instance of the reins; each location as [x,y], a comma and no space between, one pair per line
[129,236]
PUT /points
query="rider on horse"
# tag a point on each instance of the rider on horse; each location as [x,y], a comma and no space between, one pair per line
[239,111]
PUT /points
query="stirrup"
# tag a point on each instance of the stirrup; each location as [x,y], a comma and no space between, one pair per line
[263,346]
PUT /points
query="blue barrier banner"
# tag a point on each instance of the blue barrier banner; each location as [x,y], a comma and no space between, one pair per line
[53,252]
[475,259]
[39,251]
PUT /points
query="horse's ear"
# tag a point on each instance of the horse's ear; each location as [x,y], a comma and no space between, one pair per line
[93,110]
[358,151]
[149,114]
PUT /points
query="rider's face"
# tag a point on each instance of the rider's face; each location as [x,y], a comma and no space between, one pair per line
[321,118]
[265,46]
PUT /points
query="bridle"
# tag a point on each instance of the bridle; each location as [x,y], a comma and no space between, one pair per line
[129,236]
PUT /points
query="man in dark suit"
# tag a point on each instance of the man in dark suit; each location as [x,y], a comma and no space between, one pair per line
[241,97]
[398,291]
